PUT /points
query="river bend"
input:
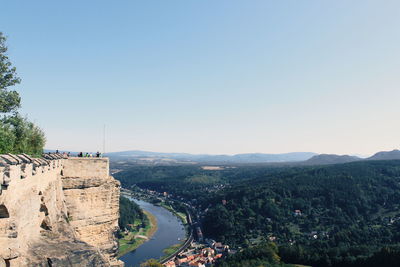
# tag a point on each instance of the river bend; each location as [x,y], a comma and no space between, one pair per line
[170,231]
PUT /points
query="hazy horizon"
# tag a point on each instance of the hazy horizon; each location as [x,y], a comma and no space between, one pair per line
[215,154]
[209,77]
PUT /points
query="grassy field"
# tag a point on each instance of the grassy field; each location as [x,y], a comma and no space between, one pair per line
[170,250]
[134,239]
[180,215]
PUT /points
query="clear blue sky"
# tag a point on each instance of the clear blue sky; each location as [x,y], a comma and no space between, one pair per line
[209,76]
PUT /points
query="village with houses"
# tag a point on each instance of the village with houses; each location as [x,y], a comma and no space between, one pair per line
[200,254]
[197,250]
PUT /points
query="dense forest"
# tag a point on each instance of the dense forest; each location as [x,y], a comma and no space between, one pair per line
[264,254]
[129,213]
[338,215]
[189,182]
[324,216]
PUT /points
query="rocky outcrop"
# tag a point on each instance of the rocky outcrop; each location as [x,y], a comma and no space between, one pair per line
[53,215]
[92,199]
[65,253]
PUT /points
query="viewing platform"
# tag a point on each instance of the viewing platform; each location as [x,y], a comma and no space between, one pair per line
[22,166]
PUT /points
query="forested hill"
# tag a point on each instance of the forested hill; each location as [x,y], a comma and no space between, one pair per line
[191,183]
[336,215]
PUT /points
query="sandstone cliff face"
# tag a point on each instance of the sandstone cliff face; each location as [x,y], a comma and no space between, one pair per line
[92,199]
[48,218]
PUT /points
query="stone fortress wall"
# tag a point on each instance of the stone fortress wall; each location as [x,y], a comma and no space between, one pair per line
[56,211]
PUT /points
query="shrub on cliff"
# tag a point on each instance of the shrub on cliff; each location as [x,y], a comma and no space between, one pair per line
[17,134]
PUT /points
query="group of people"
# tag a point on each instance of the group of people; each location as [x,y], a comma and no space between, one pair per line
[80,154]
[89,155]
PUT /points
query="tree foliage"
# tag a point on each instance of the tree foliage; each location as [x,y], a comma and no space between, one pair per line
[151,263]
[9,99]
[322,216]
[129,212]
[338,215]
[261,255]
[17,134]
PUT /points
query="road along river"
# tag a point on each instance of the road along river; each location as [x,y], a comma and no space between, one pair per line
[170,232]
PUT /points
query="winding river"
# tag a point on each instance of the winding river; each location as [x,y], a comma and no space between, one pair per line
[170,231]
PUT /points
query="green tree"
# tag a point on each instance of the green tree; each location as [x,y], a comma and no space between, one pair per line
[7,138]
[9,99]
[129,212]
[17,134]
[151,263]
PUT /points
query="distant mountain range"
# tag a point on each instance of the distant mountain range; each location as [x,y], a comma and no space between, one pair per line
[324,159]
[293,158]
[204,158]
[386,155]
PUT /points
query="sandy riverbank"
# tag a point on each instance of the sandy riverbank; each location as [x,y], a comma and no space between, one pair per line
[133,240]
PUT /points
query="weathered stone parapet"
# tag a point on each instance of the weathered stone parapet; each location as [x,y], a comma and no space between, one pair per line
[30,199]
[14,167]
[87,168]
[48,216]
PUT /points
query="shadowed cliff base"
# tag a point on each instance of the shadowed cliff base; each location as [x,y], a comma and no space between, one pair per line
[67,253]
